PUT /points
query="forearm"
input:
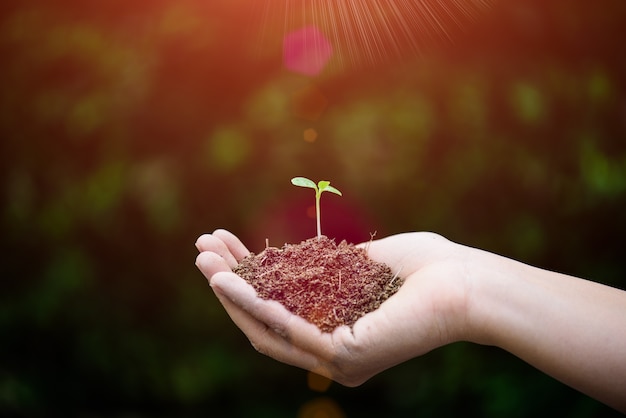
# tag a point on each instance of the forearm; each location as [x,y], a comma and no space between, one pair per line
[570,328]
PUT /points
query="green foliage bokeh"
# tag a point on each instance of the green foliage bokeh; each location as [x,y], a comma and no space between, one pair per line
[130,128]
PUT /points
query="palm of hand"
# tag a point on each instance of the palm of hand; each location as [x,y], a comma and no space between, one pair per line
[413,321]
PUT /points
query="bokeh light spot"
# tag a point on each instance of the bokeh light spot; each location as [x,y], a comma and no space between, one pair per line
[85,117]
[318,383]
[310,212]
[602,175]
[156,188]
[269,107]
[321,408]
[310,135]
[228,149]
[306,51]
[528,103]
[599,87]
[308,103]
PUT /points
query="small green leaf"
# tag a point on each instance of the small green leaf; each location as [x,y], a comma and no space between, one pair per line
[332,190]
[303,182]
[322,184]
[325,186]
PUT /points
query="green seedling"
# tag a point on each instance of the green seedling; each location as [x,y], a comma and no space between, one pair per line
[320,187]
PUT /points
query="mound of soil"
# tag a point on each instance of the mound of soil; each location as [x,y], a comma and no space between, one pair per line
[327,284]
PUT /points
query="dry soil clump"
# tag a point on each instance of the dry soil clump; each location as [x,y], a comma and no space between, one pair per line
[327,284]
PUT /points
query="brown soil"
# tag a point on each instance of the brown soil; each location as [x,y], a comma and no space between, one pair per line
[327,284]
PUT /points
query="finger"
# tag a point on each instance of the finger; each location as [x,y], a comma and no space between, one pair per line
[257,318]
[237,290]
[234,244]
[274,331]
[387,250]
[214,244]
[211,263]
[295,329]
[404,253]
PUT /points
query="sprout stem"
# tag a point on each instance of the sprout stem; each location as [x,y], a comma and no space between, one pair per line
[317,215]
[319,188]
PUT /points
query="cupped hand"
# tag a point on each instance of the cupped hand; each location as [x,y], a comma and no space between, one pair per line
[428,311]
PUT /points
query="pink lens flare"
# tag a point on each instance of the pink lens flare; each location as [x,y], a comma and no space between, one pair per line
[306,51]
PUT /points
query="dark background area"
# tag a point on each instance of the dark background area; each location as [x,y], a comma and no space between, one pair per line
[130,128]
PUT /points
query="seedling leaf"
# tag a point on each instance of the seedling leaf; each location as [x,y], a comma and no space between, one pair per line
[303,182]
[332,190]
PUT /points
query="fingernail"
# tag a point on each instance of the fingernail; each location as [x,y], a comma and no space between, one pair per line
[199,263]
[216,289]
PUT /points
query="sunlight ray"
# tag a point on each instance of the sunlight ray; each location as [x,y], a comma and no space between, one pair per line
[371,31]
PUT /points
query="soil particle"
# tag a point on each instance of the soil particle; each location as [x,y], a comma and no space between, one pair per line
[327,284]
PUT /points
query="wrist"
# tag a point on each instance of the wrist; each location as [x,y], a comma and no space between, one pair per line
[454,307]
[497,287]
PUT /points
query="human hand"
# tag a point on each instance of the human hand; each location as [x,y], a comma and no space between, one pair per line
[426,312]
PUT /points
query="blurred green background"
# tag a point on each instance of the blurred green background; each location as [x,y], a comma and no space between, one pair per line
[130,128]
